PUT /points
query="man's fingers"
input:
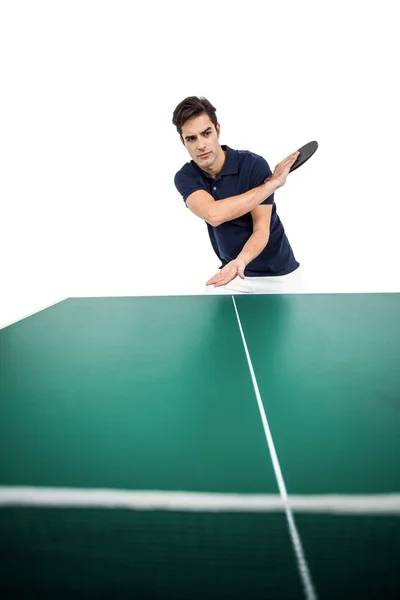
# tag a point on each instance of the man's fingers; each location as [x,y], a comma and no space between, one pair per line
[291,158]
[218,281]
[226,275]
[211,281]
[214,279]
[226,279]
[223,282]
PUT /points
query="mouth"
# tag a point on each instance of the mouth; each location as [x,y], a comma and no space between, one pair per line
[204,155]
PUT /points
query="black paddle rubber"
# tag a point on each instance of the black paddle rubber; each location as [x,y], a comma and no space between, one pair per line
[306,152]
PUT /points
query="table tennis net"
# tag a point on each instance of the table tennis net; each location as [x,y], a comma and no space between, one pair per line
[107,553]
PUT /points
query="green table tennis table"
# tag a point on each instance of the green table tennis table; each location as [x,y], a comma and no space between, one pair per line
[191,447]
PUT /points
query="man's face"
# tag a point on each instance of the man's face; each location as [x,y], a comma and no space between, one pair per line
[200,137]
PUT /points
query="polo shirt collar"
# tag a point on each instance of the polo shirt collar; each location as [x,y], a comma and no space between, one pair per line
[231,166]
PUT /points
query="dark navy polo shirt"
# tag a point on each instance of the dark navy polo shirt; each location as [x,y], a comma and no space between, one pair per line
[243,170]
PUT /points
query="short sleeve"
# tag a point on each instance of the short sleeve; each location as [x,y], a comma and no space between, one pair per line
[260,173]
[187,182]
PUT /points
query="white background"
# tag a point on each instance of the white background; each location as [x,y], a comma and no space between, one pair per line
[88,152]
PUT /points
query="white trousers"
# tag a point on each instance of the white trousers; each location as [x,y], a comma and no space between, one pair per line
[284,284]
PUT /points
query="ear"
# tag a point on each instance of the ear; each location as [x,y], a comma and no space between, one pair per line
[218,128]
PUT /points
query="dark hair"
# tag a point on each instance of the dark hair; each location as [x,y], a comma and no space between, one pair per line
[193,106]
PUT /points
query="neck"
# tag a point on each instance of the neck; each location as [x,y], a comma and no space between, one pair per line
[218,165]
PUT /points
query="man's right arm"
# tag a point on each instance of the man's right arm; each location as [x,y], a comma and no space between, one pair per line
[216,212]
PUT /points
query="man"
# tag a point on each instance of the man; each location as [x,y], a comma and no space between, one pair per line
[233,192]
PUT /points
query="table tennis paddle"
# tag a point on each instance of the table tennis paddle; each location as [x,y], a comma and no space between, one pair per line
[306,152]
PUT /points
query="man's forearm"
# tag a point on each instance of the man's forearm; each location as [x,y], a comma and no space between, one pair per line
[254,246]
[237,206]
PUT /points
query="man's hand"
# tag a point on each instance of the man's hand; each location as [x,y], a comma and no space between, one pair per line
[228,272]
[282,169]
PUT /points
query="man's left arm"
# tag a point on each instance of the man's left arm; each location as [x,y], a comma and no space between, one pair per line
[256,243]
[260,236]
[252,248]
